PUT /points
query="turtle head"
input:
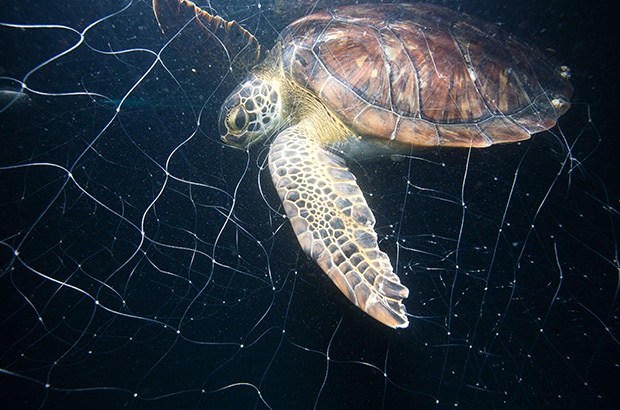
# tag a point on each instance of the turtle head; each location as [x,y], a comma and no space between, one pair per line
[252,111]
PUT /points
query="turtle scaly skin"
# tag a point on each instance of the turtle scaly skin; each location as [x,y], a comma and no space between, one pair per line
[375,79]
[327,210]
[334,224]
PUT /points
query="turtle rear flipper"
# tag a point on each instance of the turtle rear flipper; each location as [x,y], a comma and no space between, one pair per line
[215,42]
[334,224]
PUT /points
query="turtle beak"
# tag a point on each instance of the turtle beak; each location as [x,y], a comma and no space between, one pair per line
[237,139]
[222,123]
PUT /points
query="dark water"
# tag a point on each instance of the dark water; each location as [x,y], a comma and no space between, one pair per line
[146,265]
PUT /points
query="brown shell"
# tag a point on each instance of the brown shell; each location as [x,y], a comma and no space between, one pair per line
[425,75]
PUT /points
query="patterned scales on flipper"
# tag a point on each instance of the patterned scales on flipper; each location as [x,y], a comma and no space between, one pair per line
[334,224]
[369,80]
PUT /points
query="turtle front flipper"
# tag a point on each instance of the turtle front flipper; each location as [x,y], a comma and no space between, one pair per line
[334,224]
[208,35]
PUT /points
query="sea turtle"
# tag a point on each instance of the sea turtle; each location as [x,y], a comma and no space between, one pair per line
[367,79]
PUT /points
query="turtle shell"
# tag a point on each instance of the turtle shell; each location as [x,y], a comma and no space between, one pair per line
[425,75]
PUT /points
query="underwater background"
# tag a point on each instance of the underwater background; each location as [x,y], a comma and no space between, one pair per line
[146,265]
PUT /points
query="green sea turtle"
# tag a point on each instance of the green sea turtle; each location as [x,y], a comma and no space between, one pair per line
[370,79]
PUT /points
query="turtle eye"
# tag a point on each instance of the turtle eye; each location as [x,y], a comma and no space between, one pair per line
[237,119]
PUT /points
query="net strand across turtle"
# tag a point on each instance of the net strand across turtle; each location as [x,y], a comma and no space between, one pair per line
[365,80]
